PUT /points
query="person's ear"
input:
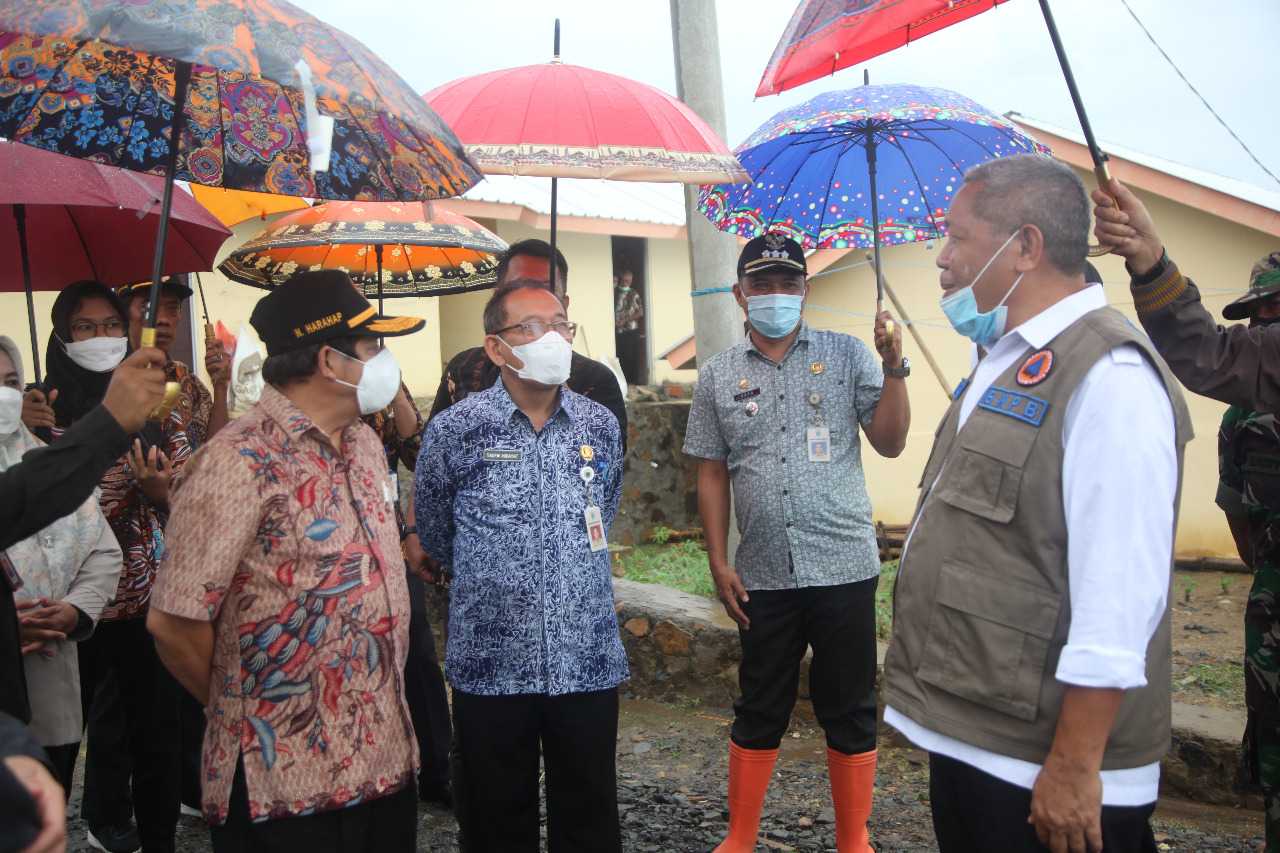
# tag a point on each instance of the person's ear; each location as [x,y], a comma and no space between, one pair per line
[1030,248]
[739,295]
[498,353]
[325,364]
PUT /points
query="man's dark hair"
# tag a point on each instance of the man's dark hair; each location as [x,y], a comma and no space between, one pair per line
[1010,192]
[495,310]
[299,364]
[534,248]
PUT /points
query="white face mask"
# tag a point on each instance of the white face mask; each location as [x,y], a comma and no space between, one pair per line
[100,354]
[546,360]
[10,410]
[378,383]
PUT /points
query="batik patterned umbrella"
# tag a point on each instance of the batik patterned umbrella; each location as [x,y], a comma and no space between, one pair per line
[98,81]
[389,249]
[245,94]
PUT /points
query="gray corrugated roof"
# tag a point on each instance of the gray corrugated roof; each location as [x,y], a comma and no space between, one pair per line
[632,201]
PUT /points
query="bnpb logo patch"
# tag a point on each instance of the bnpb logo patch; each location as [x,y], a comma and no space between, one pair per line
[1036,368]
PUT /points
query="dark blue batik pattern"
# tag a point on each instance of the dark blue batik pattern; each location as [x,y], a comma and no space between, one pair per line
[531,606]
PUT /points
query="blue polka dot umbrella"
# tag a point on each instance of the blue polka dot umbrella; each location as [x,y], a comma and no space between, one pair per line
[861,168]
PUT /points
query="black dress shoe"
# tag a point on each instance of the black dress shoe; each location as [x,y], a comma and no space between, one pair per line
[115,839]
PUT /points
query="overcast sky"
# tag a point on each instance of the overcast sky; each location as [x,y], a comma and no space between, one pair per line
[1003,59]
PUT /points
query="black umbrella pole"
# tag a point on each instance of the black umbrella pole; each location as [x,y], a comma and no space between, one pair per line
[875,220]
[1100,170]
[554,266]
[20,217]
[181,79]
[377,253]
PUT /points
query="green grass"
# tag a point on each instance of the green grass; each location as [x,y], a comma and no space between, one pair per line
[681,566]
[884,599]
[1223,680]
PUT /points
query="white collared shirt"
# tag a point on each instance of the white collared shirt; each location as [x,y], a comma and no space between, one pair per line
[1119,486]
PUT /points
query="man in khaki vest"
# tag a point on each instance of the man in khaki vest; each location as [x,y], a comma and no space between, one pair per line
[1030,653]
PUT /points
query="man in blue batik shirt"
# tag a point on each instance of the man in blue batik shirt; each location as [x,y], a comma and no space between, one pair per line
[516,487]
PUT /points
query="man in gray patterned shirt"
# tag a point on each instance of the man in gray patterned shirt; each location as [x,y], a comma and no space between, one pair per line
[777,416]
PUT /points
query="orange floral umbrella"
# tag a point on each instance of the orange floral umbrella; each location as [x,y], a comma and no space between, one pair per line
[231,207]
[390,249]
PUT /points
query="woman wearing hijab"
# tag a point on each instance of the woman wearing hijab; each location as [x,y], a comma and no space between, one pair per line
[130,700]
[68,573]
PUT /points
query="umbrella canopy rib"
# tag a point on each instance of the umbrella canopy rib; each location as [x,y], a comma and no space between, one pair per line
[84,247]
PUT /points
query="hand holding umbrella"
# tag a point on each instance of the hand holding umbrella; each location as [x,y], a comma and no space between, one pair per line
[37,409]
[888,339]
[1125,228]
[135,390]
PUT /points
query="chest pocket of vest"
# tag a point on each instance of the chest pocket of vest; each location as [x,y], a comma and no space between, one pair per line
[989,639]
[984,473]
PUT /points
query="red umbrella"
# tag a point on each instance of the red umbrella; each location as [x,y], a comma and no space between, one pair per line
[824,37]
[564,121]
[827,35]
[63,219]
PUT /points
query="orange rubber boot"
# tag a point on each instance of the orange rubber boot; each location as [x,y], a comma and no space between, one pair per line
[749,772]
[852,779]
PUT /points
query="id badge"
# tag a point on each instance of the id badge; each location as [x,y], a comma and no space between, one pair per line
[819,441]
[595,529]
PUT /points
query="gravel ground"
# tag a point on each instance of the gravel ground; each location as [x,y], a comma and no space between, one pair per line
[671,793]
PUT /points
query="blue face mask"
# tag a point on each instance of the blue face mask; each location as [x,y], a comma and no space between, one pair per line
[984,328]
[774,315]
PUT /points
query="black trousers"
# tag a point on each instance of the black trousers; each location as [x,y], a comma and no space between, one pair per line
[134,737]
[63,759]
[191,724]
[499,739]
[425,692]
[386,825]
[107,800]
[975,811]
[839,624]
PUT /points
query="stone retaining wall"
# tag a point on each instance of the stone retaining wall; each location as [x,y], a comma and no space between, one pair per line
[660,483]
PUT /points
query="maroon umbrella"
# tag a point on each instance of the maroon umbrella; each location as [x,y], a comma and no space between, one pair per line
[63,219]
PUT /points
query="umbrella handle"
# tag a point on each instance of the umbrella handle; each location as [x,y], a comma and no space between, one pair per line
[172,390]
[1103,176]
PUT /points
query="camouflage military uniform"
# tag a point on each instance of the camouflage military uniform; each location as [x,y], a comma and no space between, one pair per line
[1249,487]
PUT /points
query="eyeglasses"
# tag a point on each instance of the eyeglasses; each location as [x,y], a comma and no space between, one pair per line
[536,329]
[112,328]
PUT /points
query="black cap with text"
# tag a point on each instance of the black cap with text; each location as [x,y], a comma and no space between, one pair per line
[314,307]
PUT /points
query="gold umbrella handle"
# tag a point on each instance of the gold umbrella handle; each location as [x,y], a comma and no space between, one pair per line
[1103,175]
[172,390]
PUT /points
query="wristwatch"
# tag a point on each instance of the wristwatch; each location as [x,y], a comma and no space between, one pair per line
[898,372]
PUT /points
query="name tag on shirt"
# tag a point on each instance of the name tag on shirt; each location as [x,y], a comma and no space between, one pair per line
[1023,407]
[498,454]
[595,529]
[819,441]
